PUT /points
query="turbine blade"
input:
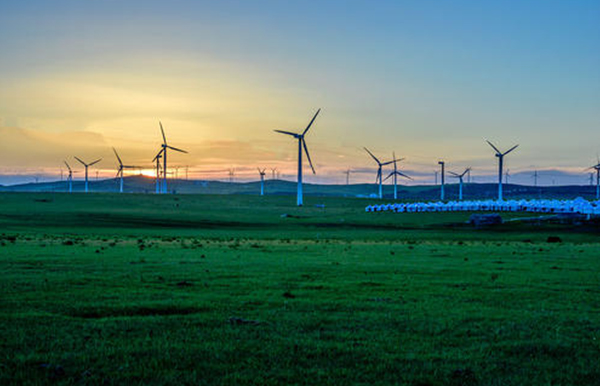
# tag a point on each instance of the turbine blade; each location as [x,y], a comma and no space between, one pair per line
[83,163]
[95,162]
[117,154]
[511,149]
[494,147]
[176,149]
[158,155]
[67,165]
[392,161]
[311,122]
[371,154]
[308,155]
[404,175]
[453,174]
[287,132]
[386,178]
[162,132]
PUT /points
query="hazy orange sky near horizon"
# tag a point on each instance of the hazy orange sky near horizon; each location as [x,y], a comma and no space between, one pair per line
[427,80]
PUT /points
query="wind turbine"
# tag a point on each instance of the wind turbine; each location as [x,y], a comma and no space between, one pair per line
[120,170]
[262,181]
[460,182]
[597,168]
[301,144]
[500,156]
[442,175]
[396,173]
[156,159]
[347,173]
[86,170]
[273,170]
[507,176]
[379,177]
[165,146]
[70,177]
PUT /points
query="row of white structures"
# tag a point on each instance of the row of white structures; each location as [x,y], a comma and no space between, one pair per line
[578,205]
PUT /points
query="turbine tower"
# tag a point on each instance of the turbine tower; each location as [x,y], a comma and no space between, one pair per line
[157,160]
[347,173]
[460,182]
[443,165]
[262,181]
[301,144]
[120,170]
[500,156]
[379,178]
[535,178]
[395,174]
[597,169]
[165,146]
[69,177]
[86,170]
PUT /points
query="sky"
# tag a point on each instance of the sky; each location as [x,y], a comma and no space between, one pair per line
[428,80]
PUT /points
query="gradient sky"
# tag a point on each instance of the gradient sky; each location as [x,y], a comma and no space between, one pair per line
[426,79]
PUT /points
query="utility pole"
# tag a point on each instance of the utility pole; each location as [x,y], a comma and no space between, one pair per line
[443,165]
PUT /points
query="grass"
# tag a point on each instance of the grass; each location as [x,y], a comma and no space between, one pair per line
[135,289]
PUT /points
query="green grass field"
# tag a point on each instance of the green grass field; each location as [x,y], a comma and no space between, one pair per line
[245,290]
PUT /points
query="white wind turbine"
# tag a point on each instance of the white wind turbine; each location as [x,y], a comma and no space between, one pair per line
[301,144]
[156,159]
[460,182]
[395,174]
[69,177]
[380,165]
[500,156]
[262,181]
[166,146]
[597,169]
[120,170]
[86,170]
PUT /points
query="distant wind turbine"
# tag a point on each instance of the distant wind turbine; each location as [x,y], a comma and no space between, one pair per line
[262,181]
[500,156]
[69,177]
[395,174]
[460,182]
[301,144]
[597,169]
[166,146]
[347,173]
[507,175]
[86,170]
[273,170]
[121,168]
[156,159]
[379,178]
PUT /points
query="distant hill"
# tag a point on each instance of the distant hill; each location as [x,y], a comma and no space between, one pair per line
[141,184]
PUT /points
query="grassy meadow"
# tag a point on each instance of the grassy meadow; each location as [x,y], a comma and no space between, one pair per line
[245,290]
